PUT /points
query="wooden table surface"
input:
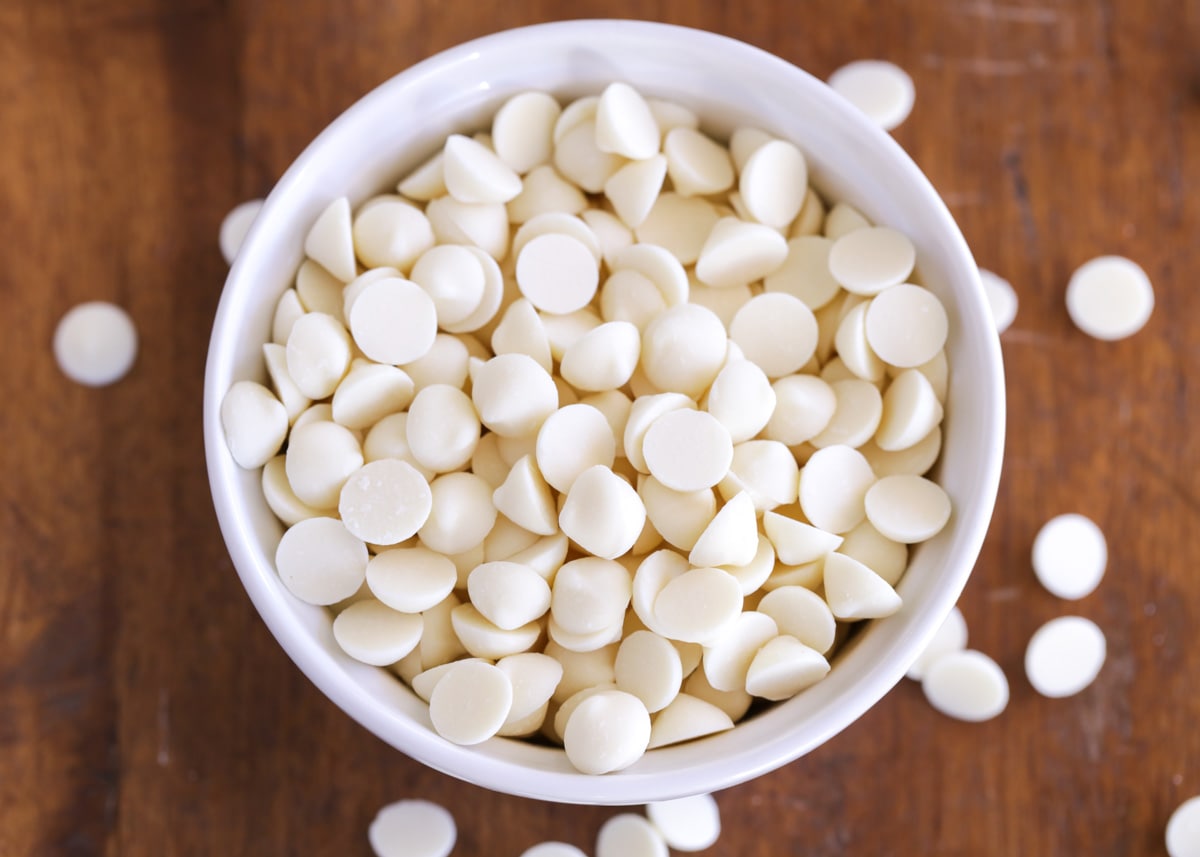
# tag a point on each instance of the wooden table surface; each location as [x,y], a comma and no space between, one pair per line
[146,710]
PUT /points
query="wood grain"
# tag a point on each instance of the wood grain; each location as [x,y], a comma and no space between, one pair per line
[144,708]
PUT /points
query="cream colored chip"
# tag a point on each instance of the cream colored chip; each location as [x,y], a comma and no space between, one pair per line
[557,273]
[287,312]
[886,557]
[684,349]
[742,399]
[321,456]
[867,261]
[371,632]
[1110,298]
[521,331]
[553,849]
[471,702]
[508,594]
[801,614]
[805,273]
[412,828]
[439,642]
[604,358]
[777,332]
[796,542]
[657,265]
[319,290]
[534,677]
[616,407]
[411,580]
[525,498]
[731,537]
[679,224]
[687,824]
[880,89]
[916,460]
[1001,297]
[1064,656]
[393,321]
[545,556]
[951,636]
[320,562]
[766,470]
[523,130]
[388,438]
[735,703]
[602,513]
[624,124]
[579,110]
[698,605]
[462,514]
[966,685]
[811,219]
[854,591]
[544,192]
[686,718]
[842,219]
[727,656]
[426,182]
[279,494]
[1070,554]
[611,234]
[697,165]
[911,411]
[633,189]
[736,253]
[563,331]
[255,423]
[580,160]
[513,394]
[856,417]
[833,485]
[453,277]
[481,225]
[774,182]
[907,509]
[475,174]
[385,502]
[680,516]
[783,667]
[571,440]
[446,362]
[744,142]
[330,243]
[670,115]
[687,450]
[234,227]
[487,461]
[505,540]
[390,232]
[443,428]
[906,325]
[852,346]
[588,642]
[318,354]
[630,835]
[811,575]
[482,639]
[590,594]
[652,574]
[353,289]
[804,406]
[649,667]
[752,575]
[370,392]
[607,732]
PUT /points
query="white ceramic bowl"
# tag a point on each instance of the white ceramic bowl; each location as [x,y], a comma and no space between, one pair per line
[728,83]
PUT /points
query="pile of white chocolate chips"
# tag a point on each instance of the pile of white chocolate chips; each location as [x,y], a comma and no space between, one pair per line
[599,429]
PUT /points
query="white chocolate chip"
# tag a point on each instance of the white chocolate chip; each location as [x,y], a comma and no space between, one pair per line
[629,835]
[523,130]
[727,656]
[731,538]
[443,428]
[742,399]
[255,423]
[485,640]
[951,636]
[557,273]
[235,226]
[426,182]
[658,266]
[1110,298]
[471,702]
[680,516]
[679,224]
[684,349]
[525,498]
[867,261]
[602,514]
[802,614]
[686,718]
[604,358]
[368,393]
[287,312]
[329,241]
[1070,555]
[462,513]
[371,632]
[736,253]
[453,277]
[1001,297]
[649,667]
[608,731]
[775,331]
[774,182]
[783,667]
[590,594]
[393,321]
[385,502]
[624,124]
[698,605]
[804,273]
[804,406]
[318,354]
[389,232]
[688,823]
[880,89]
[796,542]
[697,165]
[764,469]
[833,486]
[508,594]
[906,325]
[320,562]
[411,580]
[907,509]
[475,174]
[1064,656]
[412,828]
[571,440]
[842,219]
[513,394]
[966,685]
[687,450]
[577,156]
[855,591]
[1183,829]
[321,456]
[279,494]
[911,411]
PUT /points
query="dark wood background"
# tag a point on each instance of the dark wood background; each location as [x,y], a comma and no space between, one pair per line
[144,708]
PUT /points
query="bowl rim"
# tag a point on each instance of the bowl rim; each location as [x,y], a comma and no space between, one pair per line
[502,771]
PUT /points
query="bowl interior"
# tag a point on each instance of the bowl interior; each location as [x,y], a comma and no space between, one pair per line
[729,84]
